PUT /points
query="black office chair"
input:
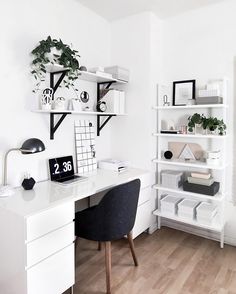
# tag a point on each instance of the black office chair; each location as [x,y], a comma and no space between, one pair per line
[111,219]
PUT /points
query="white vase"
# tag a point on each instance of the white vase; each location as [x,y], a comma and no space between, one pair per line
[198,129]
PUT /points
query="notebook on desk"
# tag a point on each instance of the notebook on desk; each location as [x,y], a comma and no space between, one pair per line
[62,171]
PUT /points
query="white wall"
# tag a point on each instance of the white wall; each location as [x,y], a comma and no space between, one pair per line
[133,40]
[201,45]
[136,45]
[22,25]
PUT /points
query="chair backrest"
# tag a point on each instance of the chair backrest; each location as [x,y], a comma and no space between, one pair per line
[118,210]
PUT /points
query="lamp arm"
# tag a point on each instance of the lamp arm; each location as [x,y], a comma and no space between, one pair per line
[5,165]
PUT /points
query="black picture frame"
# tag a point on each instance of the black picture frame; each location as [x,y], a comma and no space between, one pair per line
[178,101]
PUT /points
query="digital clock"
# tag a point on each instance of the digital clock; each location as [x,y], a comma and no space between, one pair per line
[61,167]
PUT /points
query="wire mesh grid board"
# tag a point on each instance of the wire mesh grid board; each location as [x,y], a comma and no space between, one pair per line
[85,146]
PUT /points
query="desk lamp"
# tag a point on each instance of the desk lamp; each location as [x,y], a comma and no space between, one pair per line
[30,146]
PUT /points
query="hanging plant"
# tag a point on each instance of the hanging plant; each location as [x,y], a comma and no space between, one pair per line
[55,52]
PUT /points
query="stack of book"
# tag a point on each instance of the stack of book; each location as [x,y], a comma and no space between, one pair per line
[114,165]
[202,183]
[209,96]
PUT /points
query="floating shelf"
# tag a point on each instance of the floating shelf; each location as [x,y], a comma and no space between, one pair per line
[198,164]
[216,225]
[198,136]
[79,112]
[202,106]
[217,197]
[95,78]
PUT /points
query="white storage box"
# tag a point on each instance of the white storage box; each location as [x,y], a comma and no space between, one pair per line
[206,212]
[171,179]
[118,73]
[169,204]
[187,208]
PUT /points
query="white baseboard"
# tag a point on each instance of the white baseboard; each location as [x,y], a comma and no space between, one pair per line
[199,232]
[153,228]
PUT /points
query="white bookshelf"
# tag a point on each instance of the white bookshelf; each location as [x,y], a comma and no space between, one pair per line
[210,142]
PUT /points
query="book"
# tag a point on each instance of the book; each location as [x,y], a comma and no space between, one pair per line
[200,175]
[205,182]
[170,132]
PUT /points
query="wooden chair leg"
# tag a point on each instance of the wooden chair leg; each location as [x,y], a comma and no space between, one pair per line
[108,266]
[131,245]
[99,246]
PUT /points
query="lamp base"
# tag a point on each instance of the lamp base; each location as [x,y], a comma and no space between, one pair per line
[6,191]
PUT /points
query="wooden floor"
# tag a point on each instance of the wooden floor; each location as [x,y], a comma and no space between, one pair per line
[170,262]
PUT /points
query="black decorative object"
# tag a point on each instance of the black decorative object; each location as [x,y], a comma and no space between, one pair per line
[28,184]
[168,154]
[183,91]
[201,189]
[101,106]
[84,96]
[83,68]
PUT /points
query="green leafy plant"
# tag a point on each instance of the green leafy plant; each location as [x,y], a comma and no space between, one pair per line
[195,119]
[52,51]
[212,123]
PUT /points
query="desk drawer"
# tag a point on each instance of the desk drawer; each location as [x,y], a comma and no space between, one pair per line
[54,275]
[49,244]
[147,180]
[143,219]
[49,220]
[144,195]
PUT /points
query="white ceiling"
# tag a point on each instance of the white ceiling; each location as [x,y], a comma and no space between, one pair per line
[115,9]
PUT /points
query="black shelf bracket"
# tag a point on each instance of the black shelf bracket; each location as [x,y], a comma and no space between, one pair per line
[53,126]
[101,92]
[54,85]
[100,124]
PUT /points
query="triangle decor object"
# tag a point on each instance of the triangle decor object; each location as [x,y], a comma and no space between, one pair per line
[187,153]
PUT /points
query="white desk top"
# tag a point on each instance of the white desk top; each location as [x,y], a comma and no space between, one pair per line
[47,194]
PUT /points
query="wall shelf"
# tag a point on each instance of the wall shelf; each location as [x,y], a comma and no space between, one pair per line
[217,197]
[197,136]
[197,164]
[202,106]
[216,225]
[102,83]
[79,112]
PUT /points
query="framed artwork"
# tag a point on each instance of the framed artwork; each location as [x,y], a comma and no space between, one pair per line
[183,91]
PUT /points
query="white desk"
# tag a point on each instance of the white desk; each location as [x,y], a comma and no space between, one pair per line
[37,231]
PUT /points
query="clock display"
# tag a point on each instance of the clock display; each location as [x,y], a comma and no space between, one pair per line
[61,167]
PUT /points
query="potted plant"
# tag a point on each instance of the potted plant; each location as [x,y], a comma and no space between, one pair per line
[213,124]
[55,52]
[195,122]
